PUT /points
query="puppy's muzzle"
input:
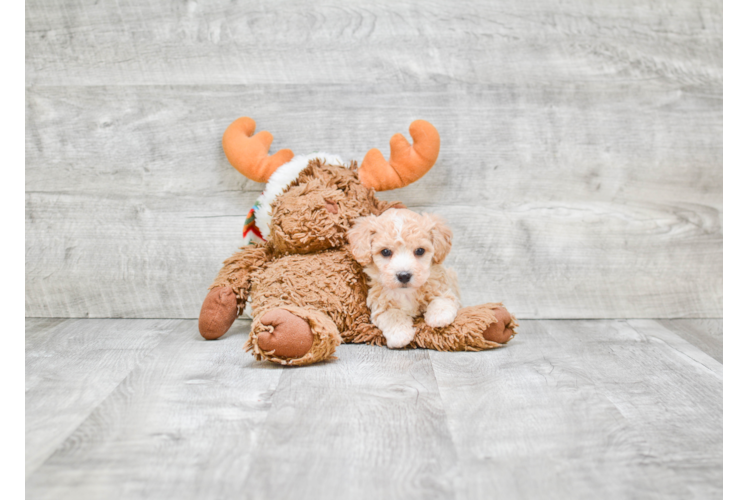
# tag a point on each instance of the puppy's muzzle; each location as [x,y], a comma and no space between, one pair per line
[404,277]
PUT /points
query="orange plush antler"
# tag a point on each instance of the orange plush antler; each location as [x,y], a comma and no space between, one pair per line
[249,153]
[407,163]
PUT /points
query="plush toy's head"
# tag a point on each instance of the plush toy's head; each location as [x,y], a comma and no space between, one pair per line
[319,207]
[311,201]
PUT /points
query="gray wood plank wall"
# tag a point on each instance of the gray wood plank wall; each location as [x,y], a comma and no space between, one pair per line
[581,163]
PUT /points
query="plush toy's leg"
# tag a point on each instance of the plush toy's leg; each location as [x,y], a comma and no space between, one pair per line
[218,313]
[474,329]
[364,332]
[502,331]
[293,336]
[229,291]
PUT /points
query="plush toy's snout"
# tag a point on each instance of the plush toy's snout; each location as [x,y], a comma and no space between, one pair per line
[331,206]
[309,222]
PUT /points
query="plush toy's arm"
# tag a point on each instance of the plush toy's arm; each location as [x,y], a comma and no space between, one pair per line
[237,271]
[230,290]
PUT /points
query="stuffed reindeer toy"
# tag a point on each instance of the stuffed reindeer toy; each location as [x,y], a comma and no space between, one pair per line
[307,291]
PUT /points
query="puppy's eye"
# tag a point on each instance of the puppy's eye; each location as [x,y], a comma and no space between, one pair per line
[419,251]
[386,252]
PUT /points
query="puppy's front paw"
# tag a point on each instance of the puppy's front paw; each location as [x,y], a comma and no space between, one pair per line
[399,336]
[440,313]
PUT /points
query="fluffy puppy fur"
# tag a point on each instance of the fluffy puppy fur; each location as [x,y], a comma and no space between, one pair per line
[401,253]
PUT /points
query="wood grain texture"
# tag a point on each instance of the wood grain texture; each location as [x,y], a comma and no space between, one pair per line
[71,367]
[361,42]
[605,141]
[183,424]
[369,425]
[37,328]
[586,409]
[706,334]
[541,260]
[615,211]
[570,409]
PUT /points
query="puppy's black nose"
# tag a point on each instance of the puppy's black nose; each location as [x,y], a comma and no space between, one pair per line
[403,277]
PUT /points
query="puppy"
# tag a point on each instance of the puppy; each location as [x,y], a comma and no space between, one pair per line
[402,252]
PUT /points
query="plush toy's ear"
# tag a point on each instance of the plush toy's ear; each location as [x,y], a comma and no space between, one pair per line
[249,153]
[359,239]
[407,163]
[441,237]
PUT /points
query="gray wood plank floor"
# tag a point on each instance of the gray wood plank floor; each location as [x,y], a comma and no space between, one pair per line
[571,409]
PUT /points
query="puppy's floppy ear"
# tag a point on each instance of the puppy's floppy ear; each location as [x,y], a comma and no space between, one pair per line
[441,237]
[359,238]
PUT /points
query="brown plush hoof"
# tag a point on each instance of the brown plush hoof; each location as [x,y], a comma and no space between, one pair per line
[501,331]
[291,336]
[218,313]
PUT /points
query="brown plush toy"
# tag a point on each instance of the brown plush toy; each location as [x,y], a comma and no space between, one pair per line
[307,292]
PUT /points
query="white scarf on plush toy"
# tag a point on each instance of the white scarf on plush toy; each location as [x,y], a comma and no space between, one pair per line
[258,220]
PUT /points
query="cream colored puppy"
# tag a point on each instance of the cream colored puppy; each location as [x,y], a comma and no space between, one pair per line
[402,252]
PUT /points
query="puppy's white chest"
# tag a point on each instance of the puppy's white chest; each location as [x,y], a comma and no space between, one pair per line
[405,300]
